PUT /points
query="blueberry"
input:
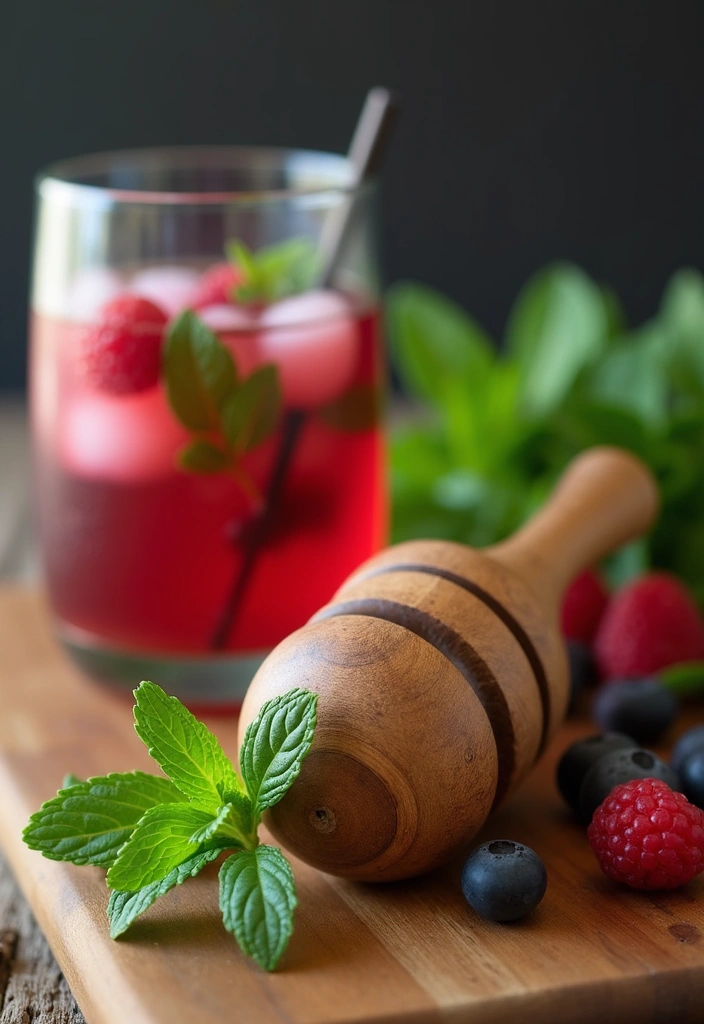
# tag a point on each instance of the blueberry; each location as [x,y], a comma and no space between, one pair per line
[578,759]
[621,766]
[642,708]
[582,670]
[692,775]
[687,744]
[503,880]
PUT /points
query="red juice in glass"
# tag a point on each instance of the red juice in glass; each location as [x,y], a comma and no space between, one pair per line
[182,541]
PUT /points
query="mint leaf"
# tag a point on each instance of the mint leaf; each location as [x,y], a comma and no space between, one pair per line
[435,343]
[203,457]
[275,271]
[633,375]
[682,315]
[556,329]
[275,744]
[685,679]
[184,748]
[71,780]
[251,414]
[125,907]
[160,842]
[230,824]
[88,822]
[200,373]
[257,899]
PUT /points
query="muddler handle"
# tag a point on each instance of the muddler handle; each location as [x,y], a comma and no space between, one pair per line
[606,497]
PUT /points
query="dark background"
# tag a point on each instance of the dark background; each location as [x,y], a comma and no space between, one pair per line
[531,130]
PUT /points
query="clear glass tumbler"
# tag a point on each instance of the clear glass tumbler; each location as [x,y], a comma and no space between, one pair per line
[206,376]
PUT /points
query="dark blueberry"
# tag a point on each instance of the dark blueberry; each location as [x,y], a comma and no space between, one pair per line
[621,766]
[503,880]
[578,759]
[692,775]
[582,670]
[687,744]
[642,708]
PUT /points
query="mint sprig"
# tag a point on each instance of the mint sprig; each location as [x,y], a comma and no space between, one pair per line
[152,832]
[275,271]
[227,415]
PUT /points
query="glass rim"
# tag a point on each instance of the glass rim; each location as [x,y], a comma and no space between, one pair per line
[58,179]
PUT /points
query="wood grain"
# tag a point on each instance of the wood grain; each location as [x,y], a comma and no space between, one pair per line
[410,951]
[32,987]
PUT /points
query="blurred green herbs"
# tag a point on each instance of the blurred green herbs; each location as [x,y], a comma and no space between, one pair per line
[499,427]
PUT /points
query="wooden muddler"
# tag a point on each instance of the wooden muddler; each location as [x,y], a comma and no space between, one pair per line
[441,674]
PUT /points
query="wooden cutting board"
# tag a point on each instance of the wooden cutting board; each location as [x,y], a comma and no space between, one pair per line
[411,951]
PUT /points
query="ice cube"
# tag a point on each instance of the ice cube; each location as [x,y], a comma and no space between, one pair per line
[223,318]
[131,438]
[235,326]
[170,288]
[312,338]
[90,289]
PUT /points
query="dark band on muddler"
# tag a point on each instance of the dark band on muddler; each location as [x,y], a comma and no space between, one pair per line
[465,659]
[512,624]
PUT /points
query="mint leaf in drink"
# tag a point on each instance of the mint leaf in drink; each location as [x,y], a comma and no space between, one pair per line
[207,397]
[199,372]
[184,748]
[203,457]
[251,414]
[88,822]
[125,907]
[159,843]
[358,409]
[275,744]
[257,899]
[275,271]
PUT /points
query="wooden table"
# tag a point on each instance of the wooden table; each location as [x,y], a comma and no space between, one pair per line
[32,988]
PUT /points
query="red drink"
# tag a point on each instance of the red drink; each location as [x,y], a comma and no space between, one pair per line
[141,555]
[205,480]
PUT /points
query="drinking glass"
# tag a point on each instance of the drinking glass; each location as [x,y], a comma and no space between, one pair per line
[206,375]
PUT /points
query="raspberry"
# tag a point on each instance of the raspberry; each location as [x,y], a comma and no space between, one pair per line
[583,606]
[647,836]
[216,286]
[122,352]
[650,624]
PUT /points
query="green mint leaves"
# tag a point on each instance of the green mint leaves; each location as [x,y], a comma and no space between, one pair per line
[274,746]
[257,899]
[501,422]
[183,747]
[275,271]
[227,415]
[152,832]
[125,907]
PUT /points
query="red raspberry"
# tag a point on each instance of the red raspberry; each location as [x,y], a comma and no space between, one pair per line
[647,836]
[582,607]
[122,352]
[650,624]
[216,286]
